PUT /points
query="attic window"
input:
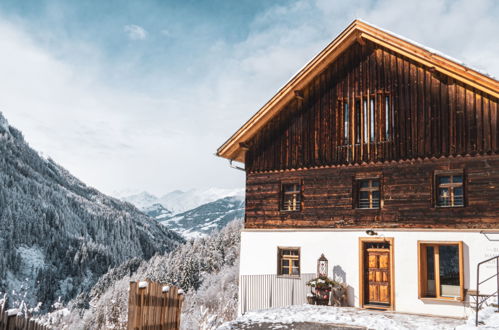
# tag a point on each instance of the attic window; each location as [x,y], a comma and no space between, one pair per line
[291,197]
[346,128]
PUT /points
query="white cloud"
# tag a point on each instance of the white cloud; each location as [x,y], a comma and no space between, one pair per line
[116,138]
[135,32]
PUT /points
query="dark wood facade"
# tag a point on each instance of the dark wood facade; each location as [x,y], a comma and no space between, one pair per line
[407,196]
[430,115]
[424,122]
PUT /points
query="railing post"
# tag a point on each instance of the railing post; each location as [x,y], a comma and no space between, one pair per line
[497,264]
[477,294]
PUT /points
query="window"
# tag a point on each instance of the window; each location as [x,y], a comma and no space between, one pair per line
[291,197]
[366,122]
[388,118]
[449,190]
[288,261]
[367,118]
[346,128]
[372,119]
[441,270]
[368,194]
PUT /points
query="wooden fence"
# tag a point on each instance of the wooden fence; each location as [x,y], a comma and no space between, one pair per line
[12,321]
[154,306]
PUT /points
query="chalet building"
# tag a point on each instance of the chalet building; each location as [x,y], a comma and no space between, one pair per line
[383,156]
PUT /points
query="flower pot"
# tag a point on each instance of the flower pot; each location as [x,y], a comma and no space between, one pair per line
[322,296]
[311,300]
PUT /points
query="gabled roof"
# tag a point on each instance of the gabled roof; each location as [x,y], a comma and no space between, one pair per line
[233,148]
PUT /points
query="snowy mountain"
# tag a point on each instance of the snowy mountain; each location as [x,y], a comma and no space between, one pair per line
[192,213]
[57,235]
[141,200]
[157,211]
[204,219]
[181,201]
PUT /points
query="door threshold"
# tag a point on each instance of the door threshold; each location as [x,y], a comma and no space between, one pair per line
[380,307]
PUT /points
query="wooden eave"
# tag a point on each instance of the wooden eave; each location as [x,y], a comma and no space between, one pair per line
[234,148]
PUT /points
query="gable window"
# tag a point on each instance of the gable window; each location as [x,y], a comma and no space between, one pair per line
[449,190]
[346,128]
[368,194]
[288,261]
[441,270]
[372,120]
[388,118]
[291,197]
[366,122]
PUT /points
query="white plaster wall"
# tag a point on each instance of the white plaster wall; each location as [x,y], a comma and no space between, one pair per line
[259,256]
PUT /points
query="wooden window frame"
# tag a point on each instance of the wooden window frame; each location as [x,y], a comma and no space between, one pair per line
[298,192]
[362,242]
[370,189]
[370,119]
[422,270]
[279,260]
[451,187]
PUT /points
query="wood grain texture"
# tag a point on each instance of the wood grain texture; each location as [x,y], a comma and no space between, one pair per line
[407,195]
[433,115]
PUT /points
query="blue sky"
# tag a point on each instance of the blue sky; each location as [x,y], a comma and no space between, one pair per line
[139,94]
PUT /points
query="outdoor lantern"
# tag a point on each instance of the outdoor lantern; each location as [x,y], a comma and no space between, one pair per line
[322,266]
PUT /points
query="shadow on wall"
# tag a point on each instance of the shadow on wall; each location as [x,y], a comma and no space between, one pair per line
[340,276]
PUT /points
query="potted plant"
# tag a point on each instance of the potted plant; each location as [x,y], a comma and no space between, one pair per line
[311,298]
[322,286]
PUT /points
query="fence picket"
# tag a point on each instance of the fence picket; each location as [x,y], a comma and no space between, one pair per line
[152,309]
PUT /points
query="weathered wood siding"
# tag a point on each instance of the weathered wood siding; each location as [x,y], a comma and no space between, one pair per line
[407,193]
[433,115]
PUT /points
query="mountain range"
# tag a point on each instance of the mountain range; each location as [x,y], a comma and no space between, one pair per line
[57,235]
[192,213]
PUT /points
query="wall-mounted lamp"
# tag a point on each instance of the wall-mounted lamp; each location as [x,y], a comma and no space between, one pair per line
[371,232]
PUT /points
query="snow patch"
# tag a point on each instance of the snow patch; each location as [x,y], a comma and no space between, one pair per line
[342,315]
[143,284]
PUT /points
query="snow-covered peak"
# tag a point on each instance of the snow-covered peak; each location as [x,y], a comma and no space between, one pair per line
[141,200]
[180,201]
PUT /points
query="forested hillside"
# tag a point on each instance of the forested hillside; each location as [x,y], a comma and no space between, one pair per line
[57,235]
[206,268]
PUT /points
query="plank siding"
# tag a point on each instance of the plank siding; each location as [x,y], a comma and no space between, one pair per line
[407,196]
[433,116]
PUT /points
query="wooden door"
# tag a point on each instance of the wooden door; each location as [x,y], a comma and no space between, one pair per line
[377,276]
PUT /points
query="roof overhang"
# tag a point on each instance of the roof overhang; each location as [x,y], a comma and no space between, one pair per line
[235,147]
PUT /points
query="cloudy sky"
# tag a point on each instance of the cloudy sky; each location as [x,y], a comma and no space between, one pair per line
[138,95]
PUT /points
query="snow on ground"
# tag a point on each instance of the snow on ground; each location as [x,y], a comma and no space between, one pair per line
[379,320]
[487,317]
